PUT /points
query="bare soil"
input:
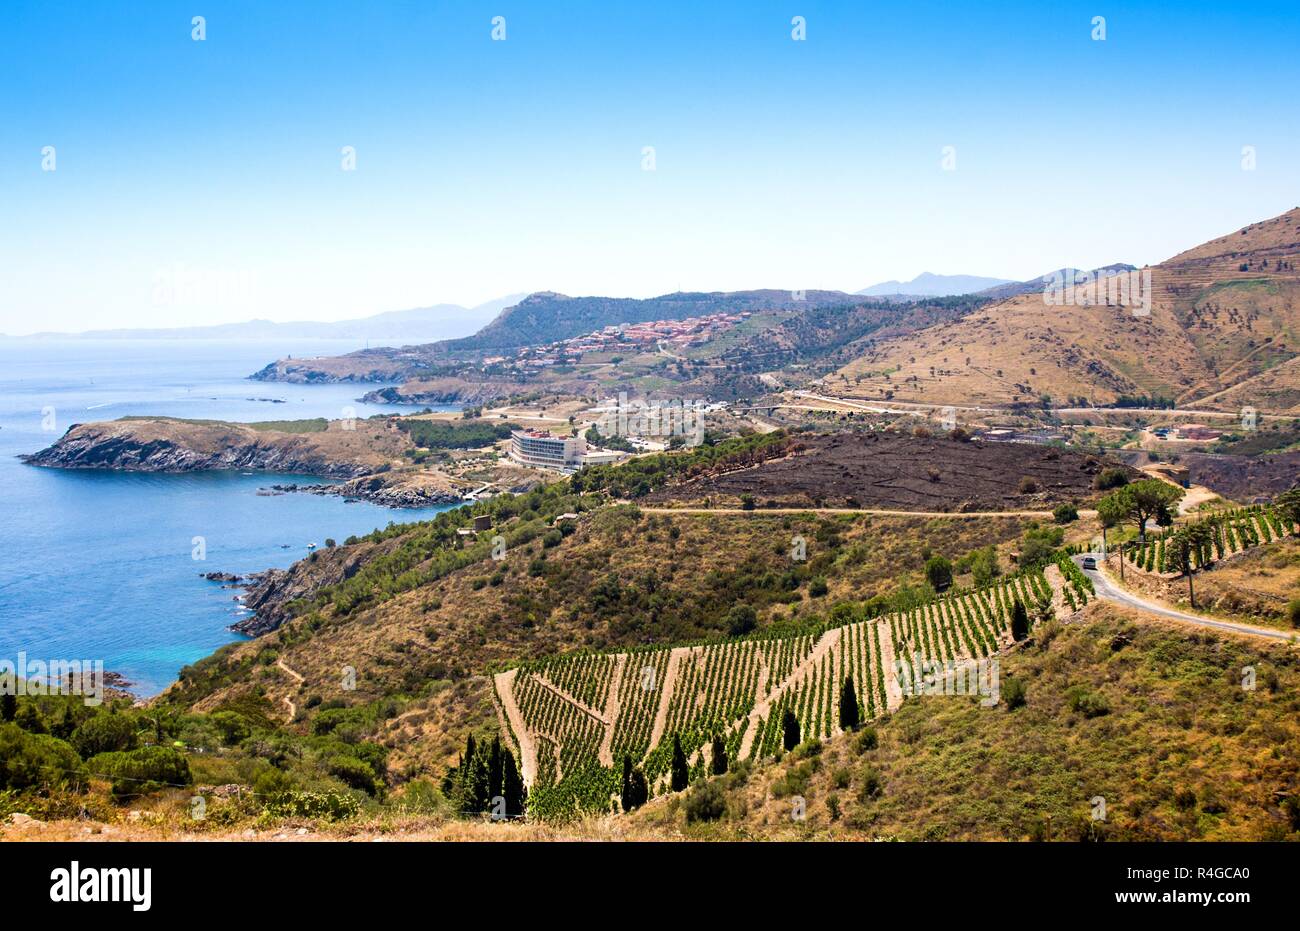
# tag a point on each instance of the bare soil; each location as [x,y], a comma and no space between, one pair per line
[903,472]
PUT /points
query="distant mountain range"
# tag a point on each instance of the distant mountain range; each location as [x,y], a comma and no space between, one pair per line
[930,285]
[398,327]
[1012,288]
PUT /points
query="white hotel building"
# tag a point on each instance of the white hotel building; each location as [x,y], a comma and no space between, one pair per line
[539,448]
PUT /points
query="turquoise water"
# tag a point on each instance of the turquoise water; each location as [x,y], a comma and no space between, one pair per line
[99,565]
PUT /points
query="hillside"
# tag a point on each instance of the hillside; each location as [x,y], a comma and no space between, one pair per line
[743,360]
[1148,717]
[577,630]
[892,470]
[1180,752]
[425,622]
[540,318]
[1224,316]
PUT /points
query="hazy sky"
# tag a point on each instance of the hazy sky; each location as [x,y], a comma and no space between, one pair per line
[202,181]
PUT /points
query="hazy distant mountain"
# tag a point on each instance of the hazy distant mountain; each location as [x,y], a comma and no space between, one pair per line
[418,325]
[1012,288]
[928,285]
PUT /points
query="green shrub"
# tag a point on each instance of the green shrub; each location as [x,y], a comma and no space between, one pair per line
[794,782]
[1087,703]
[871,784]
[705,802]
[332,806]
[231,725]
[809,748]
[866,740]
[145,770]
[1065,513]
[938,572]
[30,761]
[1110,478]
[106,732]
[354,773]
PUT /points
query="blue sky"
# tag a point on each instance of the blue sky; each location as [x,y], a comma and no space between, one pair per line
[490,167]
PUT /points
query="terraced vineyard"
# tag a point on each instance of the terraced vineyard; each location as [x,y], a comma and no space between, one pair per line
[574,718]
[1230,532]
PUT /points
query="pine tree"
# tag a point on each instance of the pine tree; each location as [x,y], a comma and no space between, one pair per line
[719,763]
[512,786]
[29,719]
[66,724]
[680,771]
[849,714]
[789,730]
[1019,621]
[8,706]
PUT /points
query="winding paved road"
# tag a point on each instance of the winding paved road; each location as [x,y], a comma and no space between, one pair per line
[1109,589]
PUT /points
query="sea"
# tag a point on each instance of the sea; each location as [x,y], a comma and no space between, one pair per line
[98,565]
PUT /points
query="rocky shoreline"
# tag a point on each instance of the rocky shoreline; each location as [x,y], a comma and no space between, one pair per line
[376,490]
[469,395]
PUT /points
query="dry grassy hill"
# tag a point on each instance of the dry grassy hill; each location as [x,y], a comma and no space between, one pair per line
[1151,718]
[423,659]
[1223,329]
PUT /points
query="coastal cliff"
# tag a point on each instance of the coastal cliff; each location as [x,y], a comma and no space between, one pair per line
[270,593]
[169,445]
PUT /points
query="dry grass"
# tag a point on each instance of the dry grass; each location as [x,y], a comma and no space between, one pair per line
[1217,336]
[424,657]
[1184,752]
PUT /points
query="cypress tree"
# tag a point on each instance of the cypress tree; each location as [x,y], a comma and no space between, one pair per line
[1019,621]
[849,715]
[636,791]
[478,798]
[625,795]
[640,788]
[494,767]
[680,772]
[465,777]
[512,785]
[719,756]
[789,730]
[8,706]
